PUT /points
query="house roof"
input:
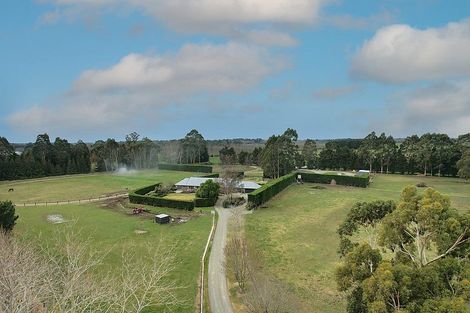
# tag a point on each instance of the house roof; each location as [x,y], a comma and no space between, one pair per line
[197,181]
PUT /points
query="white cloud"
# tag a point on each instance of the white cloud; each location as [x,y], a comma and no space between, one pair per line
[197,15]
[442,107]
[139,87]
[400,53]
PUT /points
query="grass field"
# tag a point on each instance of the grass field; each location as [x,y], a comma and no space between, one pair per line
[109,226]
[75,187]
[296,233]
[115,231]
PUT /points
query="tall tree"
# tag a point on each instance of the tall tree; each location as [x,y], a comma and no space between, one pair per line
[464,165]
[369,149]
[309,152]
[279,154]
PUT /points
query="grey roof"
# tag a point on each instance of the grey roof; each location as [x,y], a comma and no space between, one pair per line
[162,215]
[197,181]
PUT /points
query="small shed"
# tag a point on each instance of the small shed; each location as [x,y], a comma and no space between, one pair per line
[162,218]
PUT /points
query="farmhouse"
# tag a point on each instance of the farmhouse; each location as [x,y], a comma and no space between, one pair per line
[193,183]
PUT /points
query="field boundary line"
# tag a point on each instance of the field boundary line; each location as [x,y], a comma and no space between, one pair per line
[203,267]
[79,201]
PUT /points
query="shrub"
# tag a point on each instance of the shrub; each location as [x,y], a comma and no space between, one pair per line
[355,181]
[209,189]
[7,216]
[185,167]
[237,201]
[270,189]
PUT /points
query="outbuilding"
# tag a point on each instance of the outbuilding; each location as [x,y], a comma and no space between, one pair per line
[162,218]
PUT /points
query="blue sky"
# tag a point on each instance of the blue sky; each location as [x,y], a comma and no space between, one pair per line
[91,69]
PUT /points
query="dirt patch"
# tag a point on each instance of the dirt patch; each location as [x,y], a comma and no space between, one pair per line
[56,219]
[140,232]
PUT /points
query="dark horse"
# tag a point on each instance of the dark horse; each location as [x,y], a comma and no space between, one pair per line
[11,189]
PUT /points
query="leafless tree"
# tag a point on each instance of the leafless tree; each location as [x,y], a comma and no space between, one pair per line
[143,281]
[63,277]
[230,182]
[267,295]
[237,261]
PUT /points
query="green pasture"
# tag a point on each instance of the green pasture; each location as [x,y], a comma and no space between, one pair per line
[295,232]
[107,230]
[75,187]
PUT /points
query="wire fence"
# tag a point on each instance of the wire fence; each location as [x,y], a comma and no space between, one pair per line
[79,201]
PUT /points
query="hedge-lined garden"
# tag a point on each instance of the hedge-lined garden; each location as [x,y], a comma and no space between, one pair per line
[185,167]
[275,186]
[141,196]
[344,180]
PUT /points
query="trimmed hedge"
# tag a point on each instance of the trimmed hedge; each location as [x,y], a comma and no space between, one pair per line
[185,167]
[140,196]
[213,175]
[344,180]
[204,202]
[161,202]
[270,189]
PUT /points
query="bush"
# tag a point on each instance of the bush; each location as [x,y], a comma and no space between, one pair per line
[185,167]
[233,202]
[7,216]
[270,189]
[209,189]
[344,180]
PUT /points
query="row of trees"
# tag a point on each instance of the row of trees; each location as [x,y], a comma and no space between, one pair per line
[133,153]
[43,158]
[416,258]
[434,154]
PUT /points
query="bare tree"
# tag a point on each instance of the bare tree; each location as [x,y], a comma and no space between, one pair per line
[237,261]
[144,282]
[266,295]
[229,182]
[63,277]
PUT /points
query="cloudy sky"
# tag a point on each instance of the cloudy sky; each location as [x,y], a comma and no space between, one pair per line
[90,69]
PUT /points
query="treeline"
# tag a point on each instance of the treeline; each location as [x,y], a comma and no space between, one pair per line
[430,154]
[43,158]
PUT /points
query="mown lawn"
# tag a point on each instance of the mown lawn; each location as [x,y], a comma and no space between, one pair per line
[75,187]
[296,233]
[181,196]
[105,229]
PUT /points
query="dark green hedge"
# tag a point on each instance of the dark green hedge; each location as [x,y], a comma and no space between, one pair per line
[213,175]
[161,202]
[204,202]
[185,167]
[140,196]
[355,181]
[270,189]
